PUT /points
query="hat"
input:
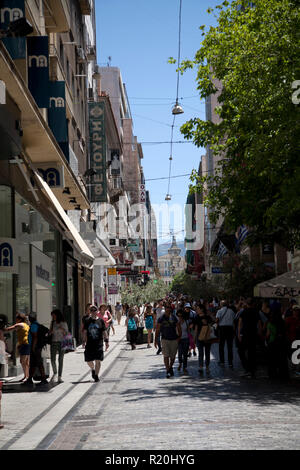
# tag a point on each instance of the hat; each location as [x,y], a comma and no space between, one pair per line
[187,306]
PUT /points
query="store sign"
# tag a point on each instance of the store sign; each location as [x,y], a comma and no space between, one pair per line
[41,269]
[51,173]
[98,183]
[142,193]
[112,281]
[57,115]
[8,255]
[38,69]
[134,247]
[12,10]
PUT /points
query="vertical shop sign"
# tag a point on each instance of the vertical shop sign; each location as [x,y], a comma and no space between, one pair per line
[98,183]
[57,116]
[38,69]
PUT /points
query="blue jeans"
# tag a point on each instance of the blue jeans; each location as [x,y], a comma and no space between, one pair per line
[183,350]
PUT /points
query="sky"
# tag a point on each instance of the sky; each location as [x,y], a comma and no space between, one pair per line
[140,36]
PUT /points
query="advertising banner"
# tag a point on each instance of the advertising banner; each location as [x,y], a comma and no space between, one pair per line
[57,115]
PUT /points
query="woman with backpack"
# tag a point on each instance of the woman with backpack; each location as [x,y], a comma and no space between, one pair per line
[58,330]
[132,323]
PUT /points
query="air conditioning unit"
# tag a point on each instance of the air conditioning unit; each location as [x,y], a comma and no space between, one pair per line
[81,57]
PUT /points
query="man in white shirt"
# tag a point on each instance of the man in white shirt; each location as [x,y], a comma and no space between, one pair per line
[225,320]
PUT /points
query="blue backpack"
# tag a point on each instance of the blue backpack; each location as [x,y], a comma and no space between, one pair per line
[131,324]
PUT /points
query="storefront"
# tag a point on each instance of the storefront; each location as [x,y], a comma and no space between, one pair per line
[38,268]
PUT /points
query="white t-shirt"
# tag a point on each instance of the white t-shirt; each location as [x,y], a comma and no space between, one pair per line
[227,316]
[159,312]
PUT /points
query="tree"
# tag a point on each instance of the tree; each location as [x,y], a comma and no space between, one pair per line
[254,53]
[151,292]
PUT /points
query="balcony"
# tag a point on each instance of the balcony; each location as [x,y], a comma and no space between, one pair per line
[116,186]
[85,7]
[91,53]
[57,16]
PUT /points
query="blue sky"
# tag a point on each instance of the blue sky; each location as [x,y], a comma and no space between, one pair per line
[140,36]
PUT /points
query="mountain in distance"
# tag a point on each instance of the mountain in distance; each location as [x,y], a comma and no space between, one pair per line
[163,248]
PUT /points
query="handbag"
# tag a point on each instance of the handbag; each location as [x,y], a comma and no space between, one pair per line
[67,343]
[204,334]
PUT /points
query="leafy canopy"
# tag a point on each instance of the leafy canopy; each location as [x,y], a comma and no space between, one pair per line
[252,59]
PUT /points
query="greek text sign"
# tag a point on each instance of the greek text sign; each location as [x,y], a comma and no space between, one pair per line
[98,187]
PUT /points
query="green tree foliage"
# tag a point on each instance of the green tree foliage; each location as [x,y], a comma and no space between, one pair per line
[198,289]
[254,53]
[140,295]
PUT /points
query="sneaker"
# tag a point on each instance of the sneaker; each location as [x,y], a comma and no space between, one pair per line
[27,382]
[53,378]
[60,380]
[43,382]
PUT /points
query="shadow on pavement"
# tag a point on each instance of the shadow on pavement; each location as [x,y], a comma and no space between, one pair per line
[13,387]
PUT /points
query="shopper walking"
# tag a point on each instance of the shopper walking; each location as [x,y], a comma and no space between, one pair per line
[160,310]
[202,324]
[95,332]
[225,321]
[58,330]
[36,360]
[170,330]
[118,310]
[249,325]
[22,329]
[184,343]
[105,315]
[132,323]
[149,319]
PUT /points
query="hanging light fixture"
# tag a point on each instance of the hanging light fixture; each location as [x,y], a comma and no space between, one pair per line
[177,109]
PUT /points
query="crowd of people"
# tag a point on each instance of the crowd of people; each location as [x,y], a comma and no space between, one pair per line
[263,332]
[179,326]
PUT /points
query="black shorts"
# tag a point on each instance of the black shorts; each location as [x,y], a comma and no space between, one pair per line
[93,354]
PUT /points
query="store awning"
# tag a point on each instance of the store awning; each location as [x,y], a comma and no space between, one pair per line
[71,231]
[101,253]
[285,286]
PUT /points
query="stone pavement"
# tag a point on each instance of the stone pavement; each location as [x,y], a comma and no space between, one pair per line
[135,407]
[29,414]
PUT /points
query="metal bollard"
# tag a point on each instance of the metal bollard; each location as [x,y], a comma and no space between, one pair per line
[1,425]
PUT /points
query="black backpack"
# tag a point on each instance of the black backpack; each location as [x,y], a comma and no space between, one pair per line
[43,337]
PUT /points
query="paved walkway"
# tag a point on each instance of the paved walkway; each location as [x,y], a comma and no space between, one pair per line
[134,407]
[29,414]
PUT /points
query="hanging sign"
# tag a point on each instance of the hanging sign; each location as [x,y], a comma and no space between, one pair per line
[57,116]
[12,10]
[38,69]
[142,193]
[98,183]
